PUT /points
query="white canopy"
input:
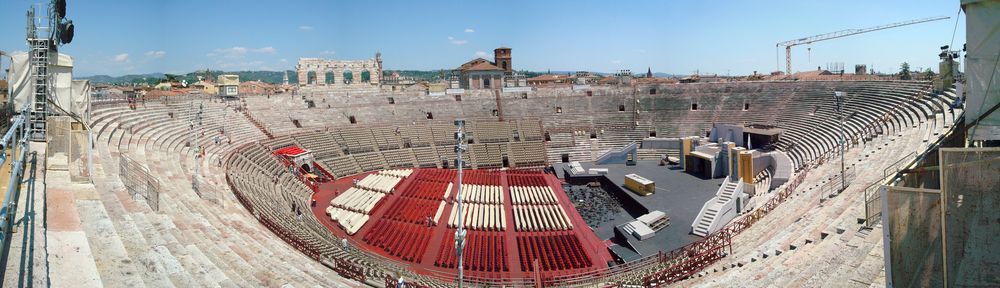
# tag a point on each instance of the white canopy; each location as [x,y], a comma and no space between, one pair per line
[72,96]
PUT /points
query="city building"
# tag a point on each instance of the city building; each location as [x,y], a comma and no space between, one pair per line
[228,85]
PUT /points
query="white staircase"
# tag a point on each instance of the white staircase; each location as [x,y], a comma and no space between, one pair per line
[728,192]
[719,210]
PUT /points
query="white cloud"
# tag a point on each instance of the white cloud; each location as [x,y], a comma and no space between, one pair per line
[470,30]
[268,50]
[616,61]
[306,28]
[283,60]
[156,54]
[327,52]
[233,52]
[237,52]
[640,50]
[456,41]
[481,54]
[120,58]
[241,65]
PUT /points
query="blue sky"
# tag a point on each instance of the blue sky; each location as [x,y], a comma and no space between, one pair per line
[735,37]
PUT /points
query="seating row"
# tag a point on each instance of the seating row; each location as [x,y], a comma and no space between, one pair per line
[487,194]
[404,240]
[481,177]
[358,200]
[484,251]
[555,251]
[350,221]
[536,195]
[412,210]
[479,217]
[426,189]
[541,218]
[378,182]
[398,173]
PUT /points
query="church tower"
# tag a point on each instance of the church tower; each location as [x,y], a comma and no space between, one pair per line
[501,56]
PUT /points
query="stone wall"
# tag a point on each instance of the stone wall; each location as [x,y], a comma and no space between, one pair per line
[323,69]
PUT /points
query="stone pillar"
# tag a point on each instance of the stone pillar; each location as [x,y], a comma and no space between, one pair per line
[320,77]
[376,75]
[338,75]
[303,75]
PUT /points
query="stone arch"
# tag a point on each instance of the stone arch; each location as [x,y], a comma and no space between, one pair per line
[348,77]
[311,77]
[330,78]
[366,76]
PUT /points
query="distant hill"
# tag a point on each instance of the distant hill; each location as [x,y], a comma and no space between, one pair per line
[274,77]
[122,79]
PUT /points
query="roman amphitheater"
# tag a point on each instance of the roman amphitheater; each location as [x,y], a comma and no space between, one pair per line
[250,222]
[352,176]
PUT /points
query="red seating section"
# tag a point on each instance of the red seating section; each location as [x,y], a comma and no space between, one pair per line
[404,230]
[484,252]
[535,179]
[404,240]
[481,177]
[554,251]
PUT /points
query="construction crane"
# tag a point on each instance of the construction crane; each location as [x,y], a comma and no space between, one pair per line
[843,33]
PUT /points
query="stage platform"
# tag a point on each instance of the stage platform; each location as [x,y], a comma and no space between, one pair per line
[398,228]
[678,194]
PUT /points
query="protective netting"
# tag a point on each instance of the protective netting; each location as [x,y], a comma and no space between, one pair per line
[970,180]
[67,147]
[914,226]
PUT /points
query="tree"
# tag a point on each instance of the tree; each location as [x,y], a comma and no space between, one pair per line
[171,77]
[929,73]
[904,71]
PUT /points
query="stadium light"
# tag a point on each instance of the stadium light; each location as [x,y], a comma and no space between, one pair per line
[64,27]
[60,8]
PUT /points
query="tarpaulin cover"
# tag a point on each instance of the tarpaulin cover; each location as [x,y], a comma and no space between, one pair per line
[72,96]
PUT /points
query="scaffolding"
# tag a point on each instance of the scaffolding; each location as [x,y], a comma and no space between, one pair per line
[39,38]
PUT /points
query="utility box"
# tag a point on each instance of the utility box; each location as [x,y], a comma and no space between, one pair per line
[639,184]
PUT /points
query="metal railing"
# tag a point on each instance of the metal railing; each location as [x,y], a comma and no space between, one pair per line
[139,182]
[15,144]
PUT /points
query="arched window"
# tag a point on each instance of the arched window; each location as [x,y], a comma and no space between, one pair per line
[330,78]
[348,77]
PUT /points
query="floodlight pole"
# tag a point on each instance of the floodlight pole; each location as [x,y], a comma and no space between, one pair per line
[843,137]
[460,232]
[196,146]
